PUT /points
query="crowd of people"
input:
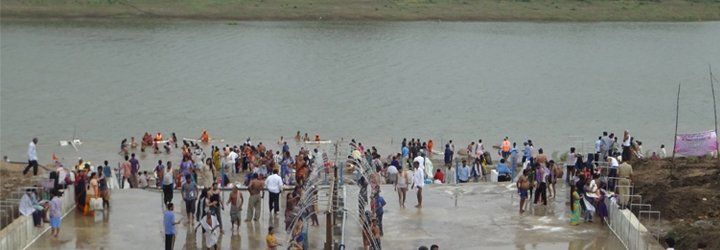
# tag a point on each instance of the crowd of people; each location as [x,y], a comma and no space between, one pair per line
[200,176]
[255,167]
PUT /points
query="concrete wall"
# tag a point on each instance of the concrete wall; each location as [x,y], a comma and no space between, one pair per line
[629,230]
[21,232]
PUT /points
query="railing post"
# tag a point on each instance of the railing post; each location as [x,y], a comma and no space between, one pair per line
[328,231]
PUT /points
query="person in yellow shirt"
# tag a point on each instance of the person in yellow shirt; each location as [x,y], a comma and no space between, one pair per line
[270,239]
[216,159]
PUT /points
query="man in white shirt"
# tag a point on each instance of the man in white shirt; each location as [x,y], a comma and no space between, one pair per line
[420,159]
[613,172]
[570,165]
[168,183]
[663,152]
[418,182]
[32,157]
[230,160]
[274,186]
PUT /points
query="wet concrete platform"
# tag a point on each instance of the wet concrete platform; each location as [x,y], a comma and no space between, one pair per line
[486,218]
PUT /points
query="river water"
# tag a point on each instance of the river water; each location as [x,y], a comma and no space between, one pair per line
[559,84]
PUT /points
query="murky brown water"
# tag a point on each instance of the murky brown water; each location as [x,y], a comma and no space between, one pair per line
[559,84]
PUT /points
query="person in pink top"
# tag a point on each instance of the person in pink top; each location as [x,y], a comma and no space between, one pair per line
[127,172]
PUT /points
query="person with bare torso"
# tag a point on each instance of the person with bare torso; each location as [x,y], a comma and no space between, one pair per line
[523,185]
[235,200]
[255,189]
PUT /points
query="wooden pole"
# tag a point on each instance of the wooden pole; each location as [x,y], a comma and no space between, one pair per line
[712,87]
[677,112]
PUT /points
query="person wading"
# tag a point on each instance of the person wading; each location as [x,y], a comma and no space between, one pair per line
[274,185]
[189,195]
[523,185]
[168,182]
[255,189]
[418,182]
[169,223]
[235,200]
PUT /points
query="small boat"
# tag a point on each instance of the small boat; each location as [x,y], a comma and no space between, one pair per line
[74,143]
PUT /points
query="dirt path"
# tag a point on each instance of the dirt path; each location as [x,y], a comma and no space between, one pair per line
[686,194]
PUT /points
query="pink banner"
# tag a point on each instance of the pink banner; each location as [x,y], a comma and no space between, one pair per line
[697,144]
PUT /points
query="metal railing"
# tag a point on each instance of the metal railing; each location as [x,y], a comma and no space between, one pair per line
[625,223]
[341,246]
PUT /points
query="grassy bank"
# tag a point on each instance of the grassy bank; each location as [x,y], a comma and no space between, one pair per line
[390,10]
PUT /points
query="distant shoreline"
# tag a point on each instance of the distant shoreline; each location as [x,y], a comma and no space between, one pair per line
[357,10]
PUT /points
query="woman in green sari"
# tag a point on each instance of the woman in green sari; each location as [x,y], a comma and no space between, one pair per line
[574,206]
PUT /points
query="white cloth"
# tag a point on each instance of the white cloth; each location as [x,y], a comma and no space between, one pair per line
[614,162]
[61,175]
[421,161]
[626,143]
[168,178]
[418,178]
[96,204]
[32,152]
[211,236]
[589,206]
[230,159]
[571,159]
[274,183]
[592,190]
[392,170]
[428,168]
[26,205]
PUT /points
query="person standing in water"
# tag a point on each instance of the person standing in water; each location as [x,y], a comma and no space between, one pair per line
[523,185]
[255,189]
[235,201]
[168,182]
[189,195]
[401,186]
[169,224]
[418,182]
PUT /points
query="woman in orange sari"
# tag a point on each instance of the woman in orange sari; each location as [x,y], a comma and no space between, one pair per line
[430,147]
[204,138]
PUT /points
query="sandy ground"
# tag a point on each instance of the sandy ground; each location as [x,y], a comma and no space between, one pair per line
[686,194]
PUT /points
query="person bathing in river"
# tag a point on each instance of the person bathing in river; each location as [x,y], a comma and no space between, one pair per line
[557,172]
[523,185]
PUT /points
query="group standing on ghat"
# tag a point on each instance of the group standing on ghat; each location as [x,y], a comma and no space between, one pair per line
[200,176]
